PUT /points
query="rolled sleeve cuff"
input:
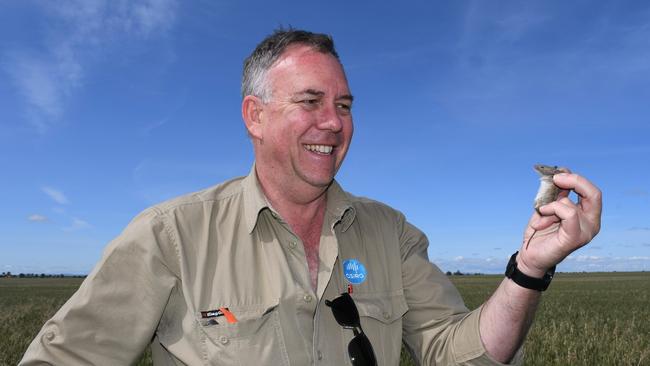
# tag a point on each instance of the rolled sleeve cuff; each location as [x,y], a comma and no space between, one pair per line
[468,347]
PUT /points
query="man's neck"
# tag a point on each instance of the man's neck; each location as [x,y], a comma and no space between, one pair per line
[304,211]
[299,206]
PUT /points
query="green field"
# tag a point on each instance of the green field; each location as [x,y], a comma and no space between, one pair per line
[584,319]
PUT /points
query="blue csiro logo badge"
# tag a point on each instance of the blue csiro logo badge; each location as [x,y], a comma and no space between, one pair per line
[354,271]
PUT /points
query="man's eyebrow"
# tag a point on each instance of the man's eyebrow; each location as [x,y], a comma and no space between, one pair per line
[319,93]
[346,97]
[311,92]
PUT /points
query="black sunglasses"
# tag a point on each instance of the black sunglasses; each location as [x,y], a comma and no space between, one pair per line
[347,315]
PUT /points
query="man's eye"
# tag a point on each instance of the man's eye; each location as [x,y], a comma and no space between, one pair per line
[310,101]
[344,107]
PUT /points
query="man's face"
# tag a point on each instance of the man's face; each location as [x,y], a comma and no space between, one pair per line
[307,123]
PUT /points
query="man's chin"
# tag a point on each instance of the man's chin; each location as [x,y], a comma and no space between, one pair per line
[321,181]
[317,177]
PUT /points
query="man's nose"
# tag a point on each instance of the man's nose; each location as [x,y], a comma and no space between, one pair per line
[330,119]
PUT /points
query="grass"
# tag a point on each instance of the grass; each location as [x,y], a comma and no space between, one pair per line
[584,319]
[25,305]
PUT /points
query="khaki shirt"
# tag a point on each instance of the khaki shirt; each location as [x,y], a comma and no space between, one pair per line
[226,247]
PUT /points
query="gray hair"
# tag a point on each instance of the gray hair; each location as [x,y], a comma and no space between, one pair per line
[270,49]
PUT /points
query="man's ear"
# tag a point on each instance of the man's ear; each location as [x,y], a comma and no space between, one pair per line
[251,110]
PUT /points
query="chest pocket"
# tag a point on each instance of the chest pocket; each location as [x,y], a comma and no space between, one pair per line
[381,320]
[255,339]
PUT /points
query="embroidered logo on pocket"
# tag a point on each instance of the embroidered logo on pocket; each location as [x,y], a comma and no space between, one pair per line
[354,271]
[211,314]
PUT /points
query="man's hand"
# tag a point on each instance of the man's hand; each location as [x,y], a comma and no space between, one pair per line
[563,226]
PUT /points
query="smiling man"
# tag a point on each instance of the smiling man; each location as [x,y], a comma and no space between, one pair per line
[301,129]
[283,267]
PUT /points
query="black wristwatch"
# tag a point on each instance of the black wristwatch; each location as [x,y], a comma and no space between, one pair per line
[539,284]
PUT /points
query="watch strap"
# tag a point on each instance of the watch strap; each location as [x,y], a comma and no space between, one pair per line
[523,280]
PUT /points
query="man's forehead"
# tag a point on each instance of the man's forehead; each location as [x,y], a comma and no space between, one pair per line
[303,59]
[296,54]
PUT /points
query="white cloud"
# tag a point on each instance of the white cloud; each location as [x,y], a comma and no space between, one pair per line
[76,33]
[573,263]
[36,82]
[77,224]
[37,218]
[96,21]
[639,258]
[56,195]
[153,15]
[585,258]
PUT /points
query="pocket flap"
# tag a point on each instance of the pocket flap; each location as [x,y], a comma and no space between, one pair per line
[384,307]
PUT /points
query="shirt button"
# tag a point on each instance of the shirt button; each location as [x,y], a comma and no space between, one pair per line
[386,315]
[320,355]
[49,336]
[293,245]
[223,340]
[307,298]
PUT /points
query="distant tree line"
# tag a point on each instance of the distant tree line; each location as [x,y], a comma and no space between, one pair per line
[39,275]
[459,273]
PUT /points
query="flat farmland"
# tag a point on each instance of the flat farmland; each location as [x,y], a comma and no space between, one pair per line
[584,319]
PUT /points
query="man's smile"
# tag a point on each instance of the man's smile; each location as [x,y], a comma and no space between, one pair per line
[319,149]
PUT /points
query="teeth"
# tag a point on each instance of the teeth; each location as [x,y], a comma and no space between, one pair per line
[322,149]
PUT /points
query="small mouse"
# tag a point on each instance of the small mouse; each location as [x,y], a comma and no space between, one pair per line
[548,191]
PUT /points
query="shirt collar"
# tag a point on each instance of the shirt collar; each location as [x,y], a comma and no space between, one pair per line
[254,199]
[339,206]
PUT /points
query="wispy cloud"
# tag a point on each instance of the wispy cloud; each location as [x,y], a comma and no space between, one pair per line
[179,103]
[157,180]
[573,263]
[56,195]
[502,50]
[37,218]
[639,228]
[77,33]
[40,83]
[77,224]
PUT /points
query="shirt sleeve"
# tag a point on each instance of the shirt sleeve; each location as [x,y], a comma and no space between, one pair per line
[114,314]
[437,329]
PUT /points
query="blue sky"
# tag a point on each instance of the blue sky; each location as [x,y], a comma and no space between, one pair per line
[108,107]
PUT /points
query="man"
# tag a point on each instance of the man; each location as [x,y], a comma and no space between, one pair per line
[250,271]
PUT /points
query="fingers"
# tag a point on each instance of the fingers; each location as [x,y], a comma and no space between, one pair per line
[548,216]
[568,213]
[543,222]
[590,196]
